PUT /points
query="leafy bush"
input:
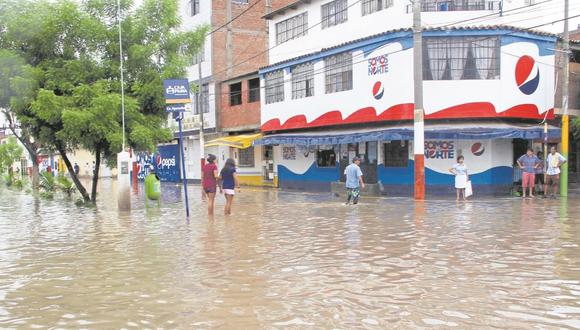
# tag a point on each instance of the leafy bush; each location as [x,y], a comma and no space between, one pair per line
[47,182]
[18,183]
[66,185]
[47,195]
[8,179]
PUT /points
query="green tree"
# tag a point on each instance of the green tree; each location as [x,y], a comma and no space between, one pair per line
[76,53]
[9,153]
[17,89]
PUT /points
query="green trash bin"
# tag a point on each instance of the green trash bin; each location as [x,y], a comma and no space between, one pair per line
[152,186]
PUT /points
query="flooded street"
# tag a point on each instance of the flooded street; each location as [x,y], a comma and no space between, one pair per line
[289,260]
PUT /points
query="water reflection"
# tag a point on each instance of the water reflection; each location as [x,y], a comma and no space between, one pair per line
[289,260]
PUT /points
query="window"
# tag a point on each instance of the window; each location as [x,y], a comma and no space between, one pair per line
[453,5]
[199,57]
[246,157]
[193,7]
[275,87]
[254,90]
[371,6]
[235,94]
[334,13]
[204,99]
[338,72]
[461,58]
[529,2]
[396,153]
[240,2]
[326,156]
[303,81]
[291,28]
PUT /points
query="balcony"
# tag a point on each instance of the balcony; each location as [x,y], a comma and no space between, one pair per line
[457,5]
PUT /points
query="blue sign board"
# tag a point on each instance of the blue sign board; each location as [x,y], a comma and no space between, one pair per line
[176,91]
[165,162]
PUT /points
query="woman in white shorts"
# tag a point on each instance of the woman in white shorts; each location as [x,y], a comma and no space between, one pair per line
[229,180]
[461,177]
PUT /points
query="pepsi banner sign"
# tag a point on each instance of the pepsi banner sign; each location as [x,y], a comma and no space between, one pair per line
[165,162]
[176,91]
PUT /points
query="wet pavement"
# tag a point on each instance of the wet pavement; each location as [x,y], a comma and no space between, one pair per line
[288,260]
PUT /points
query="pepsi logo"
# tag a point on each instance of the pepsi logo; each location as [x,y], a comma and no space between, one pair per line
[378,90]
[165,163]
[527,75]
[477,149]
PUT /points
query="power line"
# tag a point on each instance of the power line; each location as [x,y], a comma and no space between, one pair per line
[450,24]
[278,44]
[235,18]
[495,14]
[325,69]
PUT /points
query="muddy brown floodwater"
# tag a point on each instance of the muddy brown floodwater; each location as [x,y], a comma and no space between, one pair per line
[289,260]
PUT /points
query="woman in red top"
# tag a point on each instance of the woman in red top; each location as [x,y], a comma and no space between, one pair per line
[209,182]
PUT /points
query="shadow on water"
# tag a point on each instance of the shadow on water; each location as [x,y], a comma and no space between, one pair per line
[288,259]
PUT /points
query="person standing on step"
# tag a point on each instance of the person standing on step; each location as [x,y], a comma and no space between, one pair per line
[528,163]
[555,160]
[354,181]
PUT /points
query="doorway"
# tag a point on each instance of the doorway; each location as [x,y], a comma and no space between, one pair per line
[268,163]
[367,151]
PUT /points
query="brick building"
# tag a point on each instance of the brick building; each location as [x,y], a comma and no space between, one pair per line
[234,50]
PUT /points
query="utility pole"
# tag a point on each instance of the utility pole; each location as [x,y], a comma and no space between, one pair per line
[565,118]
[418,117]
[199,108]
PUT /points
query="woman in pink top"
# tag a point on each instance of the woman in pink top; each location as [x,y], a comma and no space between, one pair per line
[209,182]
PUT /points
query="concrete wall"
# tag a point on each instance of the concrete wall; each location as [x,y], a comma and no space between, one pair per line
[393,98]
[399,16]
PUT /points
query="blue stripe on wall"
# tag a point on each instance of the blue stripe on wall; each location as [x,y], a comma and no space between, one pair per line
[501,175]
[404,175]
[314,173]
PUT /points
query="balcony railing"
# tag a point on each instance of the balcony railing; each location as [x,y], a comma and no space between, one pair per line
[457,5]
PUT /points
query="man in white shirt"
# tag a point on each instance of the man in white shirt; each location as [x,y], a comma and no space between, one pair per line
[555,160]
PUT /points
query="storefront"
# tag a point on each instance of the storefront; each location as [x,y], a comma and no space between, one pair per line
[313,160]
[255,164]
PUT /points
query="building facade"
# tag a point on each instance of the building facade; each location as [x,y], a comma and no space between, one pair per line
[236,46]
[335,89]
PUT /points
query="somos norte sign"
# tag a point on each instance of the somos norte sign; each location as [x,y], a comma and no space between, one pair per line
[165,161]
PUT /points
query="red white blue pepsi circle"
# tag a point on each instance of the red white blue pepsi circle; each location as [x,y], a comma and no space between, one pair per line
[378,90]
[477,149]
[158,159]
[527,75]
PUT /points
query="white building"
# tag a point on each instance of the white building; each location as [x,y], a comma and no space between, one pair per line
[340,84]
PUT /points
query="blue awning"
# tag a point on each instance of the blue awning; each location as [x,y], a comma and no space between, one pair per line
[452,131]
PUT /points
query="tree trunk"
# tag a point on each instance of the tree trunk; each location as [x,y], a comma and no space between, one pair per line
[31,147]
[73,175]
[96,174]
[35,172]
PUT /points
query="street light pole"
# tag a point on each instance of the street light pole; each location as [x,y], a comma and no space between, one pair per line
[122,74]
[418,117]
[123,157]
[565,117]
[199,107]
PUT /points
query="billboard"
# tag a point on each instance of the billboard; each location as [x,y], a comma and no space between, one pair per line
[165,161]
[176,91]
